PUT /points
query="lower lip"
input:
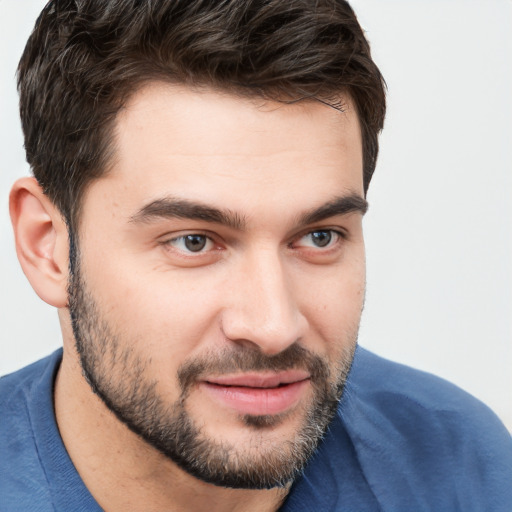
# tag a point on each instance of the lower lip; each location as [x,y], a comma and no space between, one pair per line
[258,401]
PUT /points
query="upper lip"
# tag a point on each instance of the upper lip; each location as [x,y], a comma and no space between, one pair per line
[260,380]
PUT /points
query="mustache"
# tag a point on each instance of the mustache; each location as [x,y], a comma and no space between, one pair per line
[245,359]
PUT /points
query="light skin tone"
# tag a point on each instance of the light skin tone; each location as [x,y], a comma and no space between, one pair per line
[273,194]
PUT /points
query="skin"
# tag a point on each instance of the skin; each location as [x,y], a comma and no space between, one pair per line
[262,286]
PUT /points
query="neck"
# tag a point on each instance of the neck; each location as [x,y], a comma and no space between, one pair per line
[123,472]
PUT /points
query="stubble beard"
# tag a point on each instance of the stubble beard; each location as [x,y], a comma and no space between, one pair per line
[122,380]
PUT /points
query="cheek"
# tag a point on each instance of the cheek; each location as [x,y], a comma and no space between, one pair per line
[334,306]
[154,312]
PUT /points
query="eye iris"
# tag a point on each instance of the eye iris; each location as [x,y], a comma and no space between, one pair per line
[321,238]
[195,243]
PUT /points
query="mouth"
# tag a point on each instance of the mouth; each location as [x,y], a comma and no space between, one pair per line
[258,394]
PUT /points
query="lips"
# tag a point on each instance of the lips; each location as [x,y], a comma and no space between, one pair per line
[258,393]
[260,380]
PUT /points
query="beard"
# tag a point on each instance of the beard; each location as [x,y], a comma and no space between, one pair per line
[122,378]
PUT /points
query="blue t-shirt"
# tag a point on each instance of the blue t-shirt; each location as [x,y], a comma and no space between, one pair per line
[402,441]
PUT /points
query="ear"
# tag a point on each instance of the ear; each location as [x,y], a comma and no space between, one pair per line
[41,239]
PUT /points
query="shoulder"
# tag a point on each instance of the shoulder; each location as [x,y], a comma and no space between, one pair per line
[21,381]
[403,394]
[22,477]
[418,435]
[17,388]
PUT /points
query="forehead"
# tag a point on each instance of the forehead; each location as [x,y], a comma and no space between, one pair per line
[184,110]
[219,148]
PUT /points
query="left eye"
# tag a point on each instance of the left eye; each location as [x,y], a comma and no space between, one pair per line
[192,243]
[319,239]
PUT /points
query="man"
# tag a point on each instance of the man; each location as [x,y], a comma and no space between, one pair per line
[196,217]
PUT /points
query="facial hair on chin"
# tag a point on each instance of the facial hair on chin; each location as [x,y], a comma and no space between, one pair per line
[121,379]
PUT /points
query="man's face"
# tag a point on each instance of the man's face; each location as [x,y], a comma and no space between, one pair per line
[218,288]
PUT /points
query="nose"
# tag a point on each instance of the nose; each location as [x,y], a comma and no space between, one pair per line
[262,309]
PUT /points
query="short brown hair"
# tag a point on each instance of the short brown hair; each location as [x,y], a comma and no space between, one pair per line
[86,57]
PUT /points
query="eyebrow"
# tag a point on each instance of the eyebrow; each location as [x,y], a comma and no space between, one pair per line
[170,207]
[342,205]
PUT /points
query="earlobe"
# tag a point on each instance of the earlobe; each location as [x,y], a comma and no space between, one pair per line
[41,241]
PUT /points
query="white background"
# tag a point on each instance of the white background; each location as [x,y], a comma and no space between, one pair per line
[439,229]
